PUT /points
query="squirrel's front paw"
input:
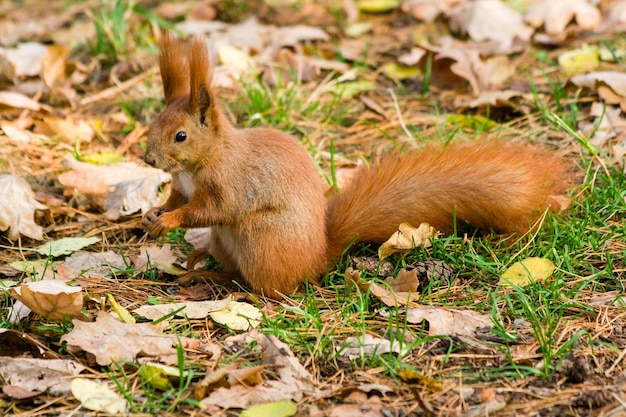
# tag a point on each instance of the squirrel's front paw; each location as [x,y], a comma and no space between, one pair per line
[160,226]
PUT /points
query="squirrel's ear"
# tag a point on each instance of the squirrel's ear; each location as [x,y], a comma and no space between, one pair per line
[201,101]
[174,67]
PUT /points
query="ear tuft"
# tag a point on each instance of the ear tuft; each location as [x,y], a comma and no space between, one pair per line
[174,67]
[201,100]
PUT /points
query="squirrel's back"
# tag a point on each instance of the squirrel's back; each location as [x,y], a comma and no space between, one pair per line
[492,185]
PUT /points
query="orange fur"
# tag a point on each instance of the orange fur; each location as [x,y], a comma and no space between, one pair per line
[264,200]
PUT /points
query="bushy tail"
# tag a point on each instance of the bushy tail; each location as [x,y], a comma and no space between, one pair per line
[492,185]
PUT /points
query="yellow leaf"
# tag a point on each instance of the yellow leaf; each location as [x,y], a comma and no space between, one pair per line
[412,377]
[350,89]
[285,408]
[97,396]
[377,6]
[155,377]
[400,72]
[524,272]
[580,60]
[122,313]
[103,158]
[406,238]
[238,316]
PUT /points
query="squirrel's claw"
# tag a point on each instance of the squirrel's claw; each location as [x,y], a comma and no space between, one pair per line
[157,224]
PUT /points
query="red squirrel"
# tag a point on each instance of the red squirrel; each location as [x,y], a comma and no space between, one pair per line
[271,222]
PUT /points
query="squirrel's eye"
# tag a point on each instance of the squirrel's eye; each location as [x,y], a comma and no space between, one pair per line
[181,136]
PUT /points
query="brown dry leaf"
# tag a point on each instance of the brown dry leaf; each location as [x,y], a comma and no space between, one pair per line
[355,347]
[360,406]
[21,61]
[89,264]
[18,134]
[461,60]
[67,128]
[610,133]
[17,208]
[19,101]
[443,321]
[98,183]
[55,72]
[52,299]
[491,20]
[38,375]
[407,238]
[610,85]
[293,382]
[136,195]
[230,376]
[388,297]
[405,281]
[554,15]
[193,310]
[161,257]
[428,10]
[494,98]
[108,340]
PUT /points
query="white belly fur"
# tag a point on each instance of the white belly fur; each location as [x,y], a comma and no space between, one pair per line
[185,184]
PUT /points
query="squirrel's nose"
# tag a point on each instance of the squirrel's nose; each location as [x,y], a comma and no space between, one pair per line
[149,158]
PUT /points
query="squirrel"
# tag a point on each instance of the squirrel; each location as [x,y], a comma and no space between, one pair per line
[272,223]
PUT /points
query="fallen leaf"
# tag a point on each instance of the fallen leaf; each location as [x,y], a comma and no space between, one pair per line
[121,312]
[407,238]
[17,208]
[293,380]
[97,396]
[14,343]
[377,6]
[285,408]
[193,310]
[136,195]
[65,246]
[68,129]
[580,60]
[18,100]
[389,298]
[491,20]
[554,15]
[108,340]
[610,85]
[39,375]
[405,281]
[529,270]
[412,377]
[23,59]
[98,183]
[238,316]
[90,264]
[427,10]
[52,299]
[444,321]
[103,158]
[355,347]
[162,258]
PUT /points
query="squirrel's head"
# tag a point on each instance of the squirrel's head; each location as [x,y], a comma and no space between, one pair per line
[188,130]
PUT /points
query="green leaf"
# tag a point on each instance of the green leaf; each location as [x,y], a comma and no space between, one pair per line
[284,408]
[65,246]
[523,272]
